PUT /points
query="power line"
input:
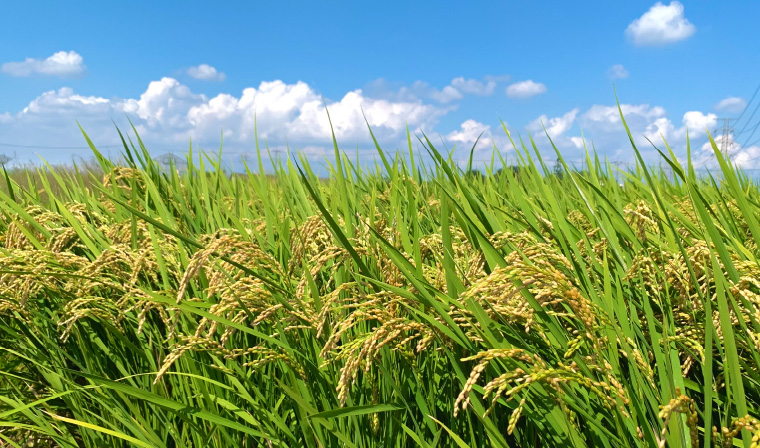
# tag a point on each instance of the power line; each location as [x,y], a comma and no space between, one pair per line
[246,153]
[751,144]
[747,105]
[752,135]
[328,150]
[13,145]
[728,130]
[750,119]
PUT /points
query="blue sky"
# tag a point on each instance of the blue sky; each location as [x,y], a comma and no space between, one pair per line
[184,70]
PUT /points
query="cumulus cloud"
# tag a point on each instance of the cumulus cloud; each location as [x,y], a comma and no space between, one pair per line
[747,158]
[163,108]
[61,63]
[555,126]
[168,113]
[603,128]
[525,89]
[698,122]
[651,120]
[296,112]
[743,157]
[578,142]
[661,25]
[205,72]
[64,100]
[469,132]
[732,105]
[604,132]
[617,71]
[51,120]
[387,119]
[695,123]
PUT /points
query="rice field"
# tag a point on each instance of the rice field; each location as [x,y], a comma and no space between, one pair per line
[407,304]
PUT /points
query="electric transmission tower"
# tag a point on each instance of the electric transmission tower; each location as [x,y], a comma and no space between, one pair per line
[726,136]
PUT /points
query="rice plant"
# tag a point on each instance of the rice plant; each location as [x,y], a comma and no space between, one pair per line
[406,304]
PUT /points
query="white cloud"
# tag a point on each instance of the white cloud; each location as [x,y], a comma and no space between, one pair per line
[730,146]
[163,108]
[747,158]
[660,25]
[420,90]
[525,89]
[469,132]
[658,129]
[296,112]
[732,104]
[474,86]
[695,122]
[698,122]
[743,157]
[64,100]
[205,72]
[604,132]
[446,94]
[556,126]
[578,142]
[609,116]
[617,71]
[603,128]
[51,120]
[273,107]
[168,113]
[61,63]
[387,119]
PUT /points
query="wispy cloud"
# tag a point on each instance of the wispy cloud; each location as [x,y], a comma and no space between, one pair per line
[617,71]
